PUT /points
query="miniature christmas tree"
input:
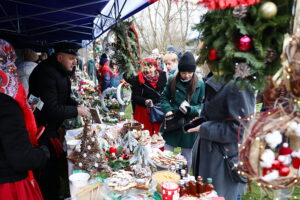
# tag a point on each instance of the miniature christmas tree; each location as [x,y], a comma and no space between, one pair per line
[90,157]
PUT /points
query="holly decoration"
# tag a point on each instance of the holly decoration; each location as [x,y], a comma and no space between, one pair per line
[268,10]
[117,158]
[245,40]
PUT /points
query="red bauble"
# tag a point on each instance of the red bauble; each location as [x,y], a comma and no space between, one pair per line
[296,162]
[113,150]
[212,56]
[244,43]
[276,164]
[284,171]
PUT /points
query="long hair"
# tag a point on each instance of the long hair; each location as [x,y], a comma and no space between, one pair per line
[192,85]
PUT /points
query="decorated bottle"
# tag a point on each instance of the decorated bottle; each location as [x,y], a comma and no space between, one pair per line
[200,186]
[192,186]
[182,188]
[209,186]
[186,184]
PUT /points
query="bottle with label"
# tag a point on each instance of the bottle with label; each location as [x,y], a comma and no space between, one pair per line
[182,189]
[186,184]
[200,186]
[209,186]
[192,186]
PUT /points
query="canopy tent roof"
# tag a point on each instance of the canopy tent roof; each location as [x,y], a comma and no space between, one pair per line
[117,10]
[36,22]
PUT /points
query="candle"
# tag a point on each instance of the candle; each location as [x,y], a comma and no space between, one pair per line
[170,191]
[113,150]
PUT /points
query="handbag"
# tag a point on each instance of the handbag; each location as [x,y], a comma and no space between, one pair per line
[231,164]
[174,122]
[156,114]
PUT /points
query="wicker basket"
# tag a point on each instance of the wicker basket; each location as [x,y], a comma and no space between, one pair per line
[254,145]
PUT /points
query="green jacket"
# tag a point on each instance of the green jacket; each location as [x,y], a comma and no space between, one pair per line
[172,103]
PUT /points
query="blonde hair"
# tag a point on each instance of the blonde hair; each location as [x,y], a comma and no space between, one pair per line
[170,57]
[30,55]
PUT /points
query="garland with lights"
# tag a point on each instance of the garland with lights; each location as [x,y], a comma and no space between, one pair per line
[245,42]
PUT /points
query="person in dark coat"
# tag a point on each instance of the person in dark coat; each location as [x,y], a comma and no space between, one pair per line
[19,152]
[224,105]
[146,91]
[50,82]
[184,87]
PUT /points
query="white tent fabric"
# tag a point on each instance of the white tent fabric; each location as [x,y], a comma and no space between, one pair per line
[116,9]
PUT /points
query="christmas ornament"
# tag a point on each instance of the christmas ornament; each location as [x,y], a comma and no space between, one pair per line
[268,10]
[244,43]
[212,56]
[240,12]
[284,171]
[242,70]
[273,139]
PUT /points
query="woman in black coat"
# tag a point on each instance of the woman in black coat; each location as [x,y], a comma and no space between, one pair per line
[146,92]
[17,135]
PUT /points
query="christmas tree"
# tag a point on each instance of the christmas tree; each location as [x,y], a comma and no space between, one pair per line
[245,42]
[91,157]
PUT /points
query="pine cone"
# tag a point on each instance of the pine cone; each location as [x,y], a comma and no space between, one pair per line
[242,70]
[271,55]
[240,12]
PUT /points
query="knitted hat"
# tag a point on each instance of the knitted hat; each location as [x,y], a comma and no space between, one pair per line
[187,63]
[172,49]
[285,150]
[103,59]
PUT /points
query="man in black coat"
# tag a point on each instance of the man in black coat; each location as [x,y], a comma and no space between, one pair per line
[50,82]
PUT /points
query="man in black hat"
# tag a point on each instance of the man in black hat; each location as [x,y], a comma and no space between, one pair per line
[50,82]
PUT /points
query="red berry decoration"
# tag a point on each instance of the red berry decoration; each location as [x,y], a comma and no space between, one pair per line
[212,56]
[296,162]
[284,171]
[244,43]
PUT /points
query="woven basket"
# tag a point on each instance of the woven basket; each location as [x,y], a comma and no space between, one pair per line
[254,145]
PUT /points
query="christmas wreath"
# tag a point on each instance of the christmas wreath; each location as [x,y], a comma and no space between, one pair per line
[270,152]
[122,46]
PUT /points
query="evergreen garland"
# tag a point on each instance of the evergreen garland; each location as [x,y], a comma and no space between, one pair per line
[221,29]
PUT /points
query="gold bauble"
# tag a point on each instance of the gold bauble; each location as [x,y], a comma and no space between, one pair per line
[268,10]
